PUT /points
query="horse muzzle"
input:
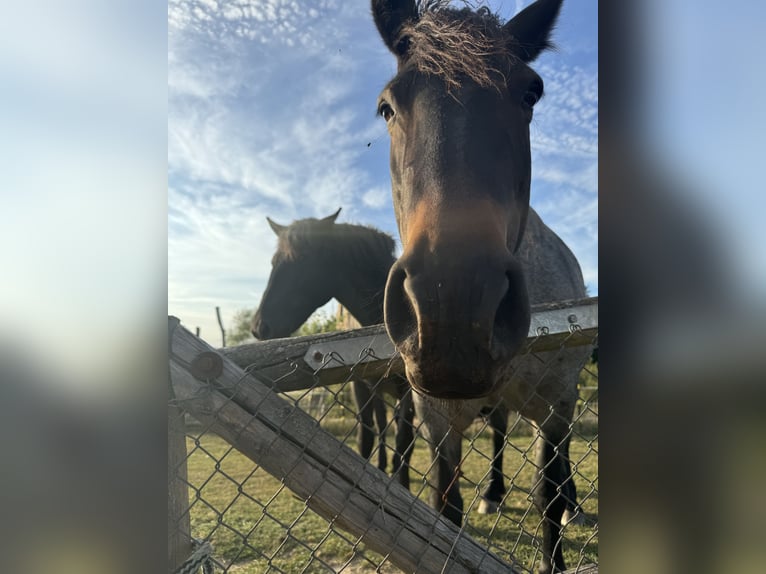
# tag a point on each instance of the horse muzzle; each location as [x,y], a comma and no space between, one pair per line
[456,321]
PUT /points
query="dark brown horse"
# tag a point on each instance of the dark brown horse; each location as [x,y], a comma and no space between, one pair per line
[457,302]
[316,260]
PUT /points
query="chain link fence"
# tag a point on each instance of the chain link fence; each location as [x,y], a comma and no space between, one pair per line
[267,477]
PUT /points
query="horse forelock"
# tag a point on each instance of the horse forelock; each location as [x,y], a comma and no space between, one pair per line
[458,44]
[359,245]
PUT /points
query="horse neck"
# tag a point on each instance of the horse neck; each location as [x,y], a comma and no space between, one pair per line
[360,290]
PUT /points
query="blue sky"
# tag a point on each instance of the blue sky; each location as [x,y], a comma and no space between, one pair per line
[271,107]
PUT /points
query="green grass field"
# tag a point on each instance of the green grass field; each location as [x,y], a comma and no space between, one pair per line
[256,525]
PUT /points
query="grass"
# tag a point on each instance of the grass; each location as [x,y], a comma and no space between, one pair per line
[257,525]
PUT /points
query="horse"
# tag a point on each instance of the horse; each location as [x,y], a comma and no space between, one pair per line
[475,254]
[315,237]
[316,260]
[309,242]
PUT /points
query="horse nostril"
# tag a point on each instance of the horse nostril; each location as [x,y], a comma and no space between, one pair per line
[512,317]
[397,307]
[260,328]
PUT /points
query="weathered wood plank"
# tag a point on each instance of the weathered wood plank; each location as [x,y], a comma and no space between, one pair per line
[335,482]
[585,569]
[299,363]
[179,522]
[280,363]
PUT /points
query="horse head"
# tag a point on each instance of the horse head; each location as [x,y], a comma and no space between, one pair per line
[299,282]
[458,114]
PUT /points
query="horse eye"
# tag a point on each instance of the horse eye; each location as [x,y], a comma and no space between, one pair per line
[534,93]
[531,98]
[386,111]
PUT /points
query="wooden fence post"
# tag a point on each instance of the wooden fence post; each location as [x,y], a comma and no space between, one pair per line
[179,521]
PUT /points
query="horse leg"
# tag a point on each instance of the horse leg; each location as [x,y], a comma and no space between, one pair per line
[573,513]
[445,443]
[493,495]
[404,415]
[549,495]
[379,407]
[365,434]
[446,497]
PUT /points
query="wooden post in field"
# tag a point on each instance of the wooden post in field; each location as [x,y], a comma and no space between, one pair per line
[220,324]
[345,320]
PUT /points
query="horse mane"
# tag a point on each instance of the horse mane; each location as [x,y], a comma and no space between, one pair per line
[458,43]
[361,246]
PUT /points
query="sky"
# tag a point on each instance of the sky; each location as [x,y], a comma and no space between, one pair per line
[271,112]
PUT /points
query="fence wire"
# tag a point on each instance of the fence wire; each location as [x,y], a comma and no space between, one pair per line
[255,524]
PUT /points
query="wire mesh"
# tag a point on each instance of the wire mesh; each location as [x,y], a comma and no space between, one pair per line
[255,524]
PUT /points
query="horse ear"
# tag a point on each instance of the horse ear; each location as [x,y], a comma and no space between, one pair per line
[275,226]
[331,218]
[530,29]
[390,16]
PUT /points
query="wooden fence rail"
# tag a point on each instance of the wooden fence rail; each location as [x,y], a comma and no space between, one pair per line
[299,363]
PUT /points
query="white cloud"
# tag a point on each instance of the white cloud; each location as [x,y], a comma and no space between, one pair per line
[206,148]
[582,177]
[376,197]
[566,120]
[266,21]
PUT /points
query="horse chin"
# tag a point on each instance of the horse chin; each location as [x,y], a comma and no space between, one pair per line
[450,378]
[446,383]
[437,373]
